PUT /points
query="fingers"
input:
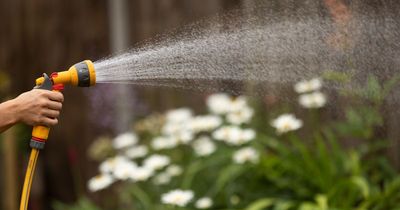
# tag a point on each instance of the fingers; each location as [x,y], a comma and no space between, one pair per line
[53,105]
[52,95]
[51,113]
[44,121]
[52,100]
[55,96]
[49,117]
[38,107]
[49,121]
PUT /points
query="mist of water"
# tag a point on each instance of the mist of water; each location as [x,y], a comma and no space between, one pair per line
[265,44]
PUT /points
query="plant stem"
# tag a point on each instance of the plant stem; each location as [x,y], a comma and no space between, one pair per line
[141,196]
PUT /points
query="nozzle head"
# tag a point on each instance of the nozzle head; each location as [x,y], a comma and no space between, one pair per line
[85,74]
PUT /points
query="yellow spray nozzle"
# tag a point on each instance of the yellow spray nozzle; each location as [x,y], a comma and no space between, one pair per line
[81,74]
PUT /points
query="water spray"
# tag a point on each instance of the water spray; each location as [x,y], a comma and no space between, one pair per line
[82,75]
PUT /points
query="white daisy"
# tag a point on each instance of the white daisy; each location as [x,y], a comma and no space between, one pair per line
[312,100]
[237,104]
[109,165]
[125,140]
[172,128]
[174,170]
[222,133]
[183,137]
[234,135]
[240,116]
[100,182]
[308,86]
[163,142]
[177,197]
[246,154]
[205,123]
[286,123]
[156,162]
[203,146]
[219,103]
[124,170]
[248,135]
[137,152]
[178,115]
[141,174]
[162,179]
[204,203]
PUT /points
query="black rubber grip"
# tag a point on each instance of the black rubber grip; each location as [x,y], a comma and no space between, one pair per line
[83,74]
[37,144]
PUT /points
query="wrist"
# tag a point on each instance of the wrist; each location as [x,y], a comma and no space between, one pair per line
[11,110]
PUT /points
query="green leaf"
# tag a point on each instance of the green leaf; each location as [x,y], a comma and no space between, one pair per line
[190,173]
[308,206]
[322,202]
[283,205]
[228,174]
[343,77]
[142,196]
[200,164]
[374,89]
[389,85]
[82,204]
[362,184]
[260,204]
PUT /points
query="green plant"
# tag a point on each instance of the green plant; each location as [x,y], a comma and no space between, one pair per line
[236,161]
[82,204]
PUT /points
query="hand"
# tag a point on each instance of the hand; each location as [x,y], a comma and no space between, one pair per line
[38,107]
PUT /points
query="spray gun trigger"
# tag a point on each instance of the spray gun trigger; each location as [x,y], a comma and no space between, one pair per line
[47,83]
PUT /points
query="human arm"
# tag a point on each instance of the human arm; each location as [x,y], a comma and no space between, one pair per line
[35,107]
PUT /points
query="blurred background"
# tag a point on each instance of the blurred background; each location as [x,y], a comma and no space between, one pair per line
[45,36]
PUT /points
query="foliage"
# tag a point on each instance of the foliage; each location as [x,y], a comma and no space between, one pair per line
[306,169]
[83,203]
